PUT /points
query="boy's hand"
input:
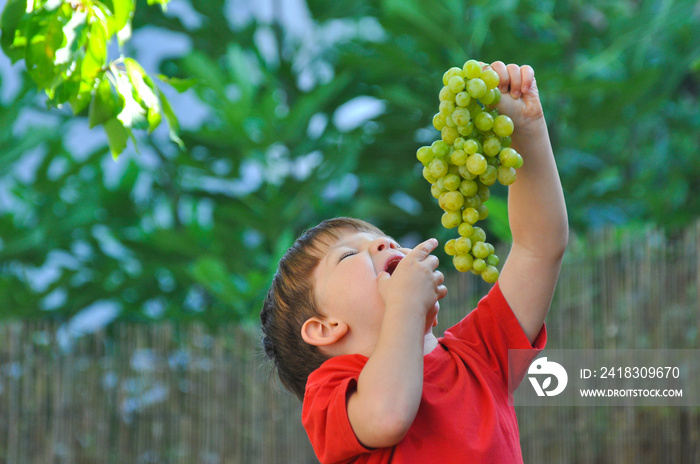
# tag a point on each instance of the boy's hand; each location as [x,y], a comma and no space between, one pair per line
[416,280]
[520,98]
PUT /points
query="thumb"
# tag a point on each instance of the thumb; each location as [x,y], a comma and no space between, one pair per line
[383,276]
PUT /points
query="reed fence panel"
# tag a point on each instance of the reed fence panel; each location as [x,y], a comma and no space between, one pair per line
[168,393]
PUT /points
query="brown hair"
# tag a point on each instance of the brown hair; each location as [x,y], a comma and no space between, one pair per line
[290,302]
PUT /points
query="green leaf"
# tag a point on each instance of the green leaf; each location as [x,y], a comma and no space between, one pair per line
[10,21]
[95,60]
[181,85]
[122,14]
[67,90]
[117,136]
[173,124]
[82,98]
[105,103]
[44,36]
[153,117]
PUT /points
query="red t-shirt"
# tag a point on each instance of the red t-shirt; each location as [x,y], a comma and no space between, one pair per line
[465,415]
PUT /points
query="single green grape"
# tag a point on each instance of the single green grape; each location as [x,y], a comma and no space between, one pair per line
[492,259]
[465,230]
[435,190]
[483,121]
[490,78]
[458,157]
[466,130]
[478,235]
[449,135]
[463,99]
[454,71]
[451,201]
[456,84]
[447,107]
[503,125]
[492,250]
[425,155]
[480,250]
[468,188]
[450,247]
[437,168]
[440,148]
[450,219]
[428,176]
[476,88]
[497,96]
[461,116]
[463,263]
[452,182]
[463,245]
[490,274]
[439,121]
[489,176]
[479,266]
[506,175]
[508,157]
[488,98]
[470,215]
[465,172]
[492,145]
[446,95]
[471,69]
[519,164]
[459,143]
[471,146]
[483,211]
[472,202]
[477,164]
[484,193]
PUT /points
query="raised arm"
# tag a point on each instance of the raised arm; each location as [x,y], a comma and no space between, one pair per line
[390,385]
[536,208]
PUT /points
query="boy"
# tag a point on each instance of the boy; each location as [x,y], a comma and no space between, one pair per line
[348,321]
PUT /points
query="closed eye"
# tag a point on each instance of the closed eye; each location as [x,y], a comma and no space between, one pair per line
[345,255]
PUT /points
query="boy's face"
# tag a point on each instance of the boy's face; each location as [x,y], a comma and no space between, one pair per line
[346,288]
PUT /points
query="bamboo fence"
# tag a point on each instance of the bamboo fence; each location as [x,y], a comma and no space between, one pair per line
[179,394]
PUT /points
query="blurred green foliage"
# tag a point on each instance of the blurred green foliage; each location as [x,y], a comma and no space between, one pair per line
[64,45]
[311,110]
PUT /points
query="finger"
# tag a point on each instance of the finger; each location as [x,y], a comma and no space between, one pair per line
[515,80]
[433,261]
[503,79]
[383,276]
[439,277]
[442,292]
[422,250]
[527,74]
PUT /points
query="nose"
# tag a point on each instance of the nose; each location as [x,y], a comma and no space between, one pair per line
[383,243]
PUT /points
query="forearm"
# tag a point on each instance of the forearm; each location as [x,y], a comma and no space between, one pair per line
[536,207]
[390,386]
[538,222]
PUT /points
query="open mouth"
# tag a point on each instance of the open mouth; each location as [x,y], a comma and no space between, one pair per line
[392,263]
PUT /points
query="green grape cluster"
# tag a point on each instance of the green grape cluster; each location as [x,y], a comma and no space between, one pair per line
[472,154]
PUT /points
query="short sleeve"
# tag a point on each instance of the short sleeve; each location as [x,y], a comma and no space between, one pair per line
[324,412]
[489,331]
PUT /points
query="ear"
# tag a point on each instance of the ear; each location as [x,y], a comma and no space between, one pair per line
[318,331]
